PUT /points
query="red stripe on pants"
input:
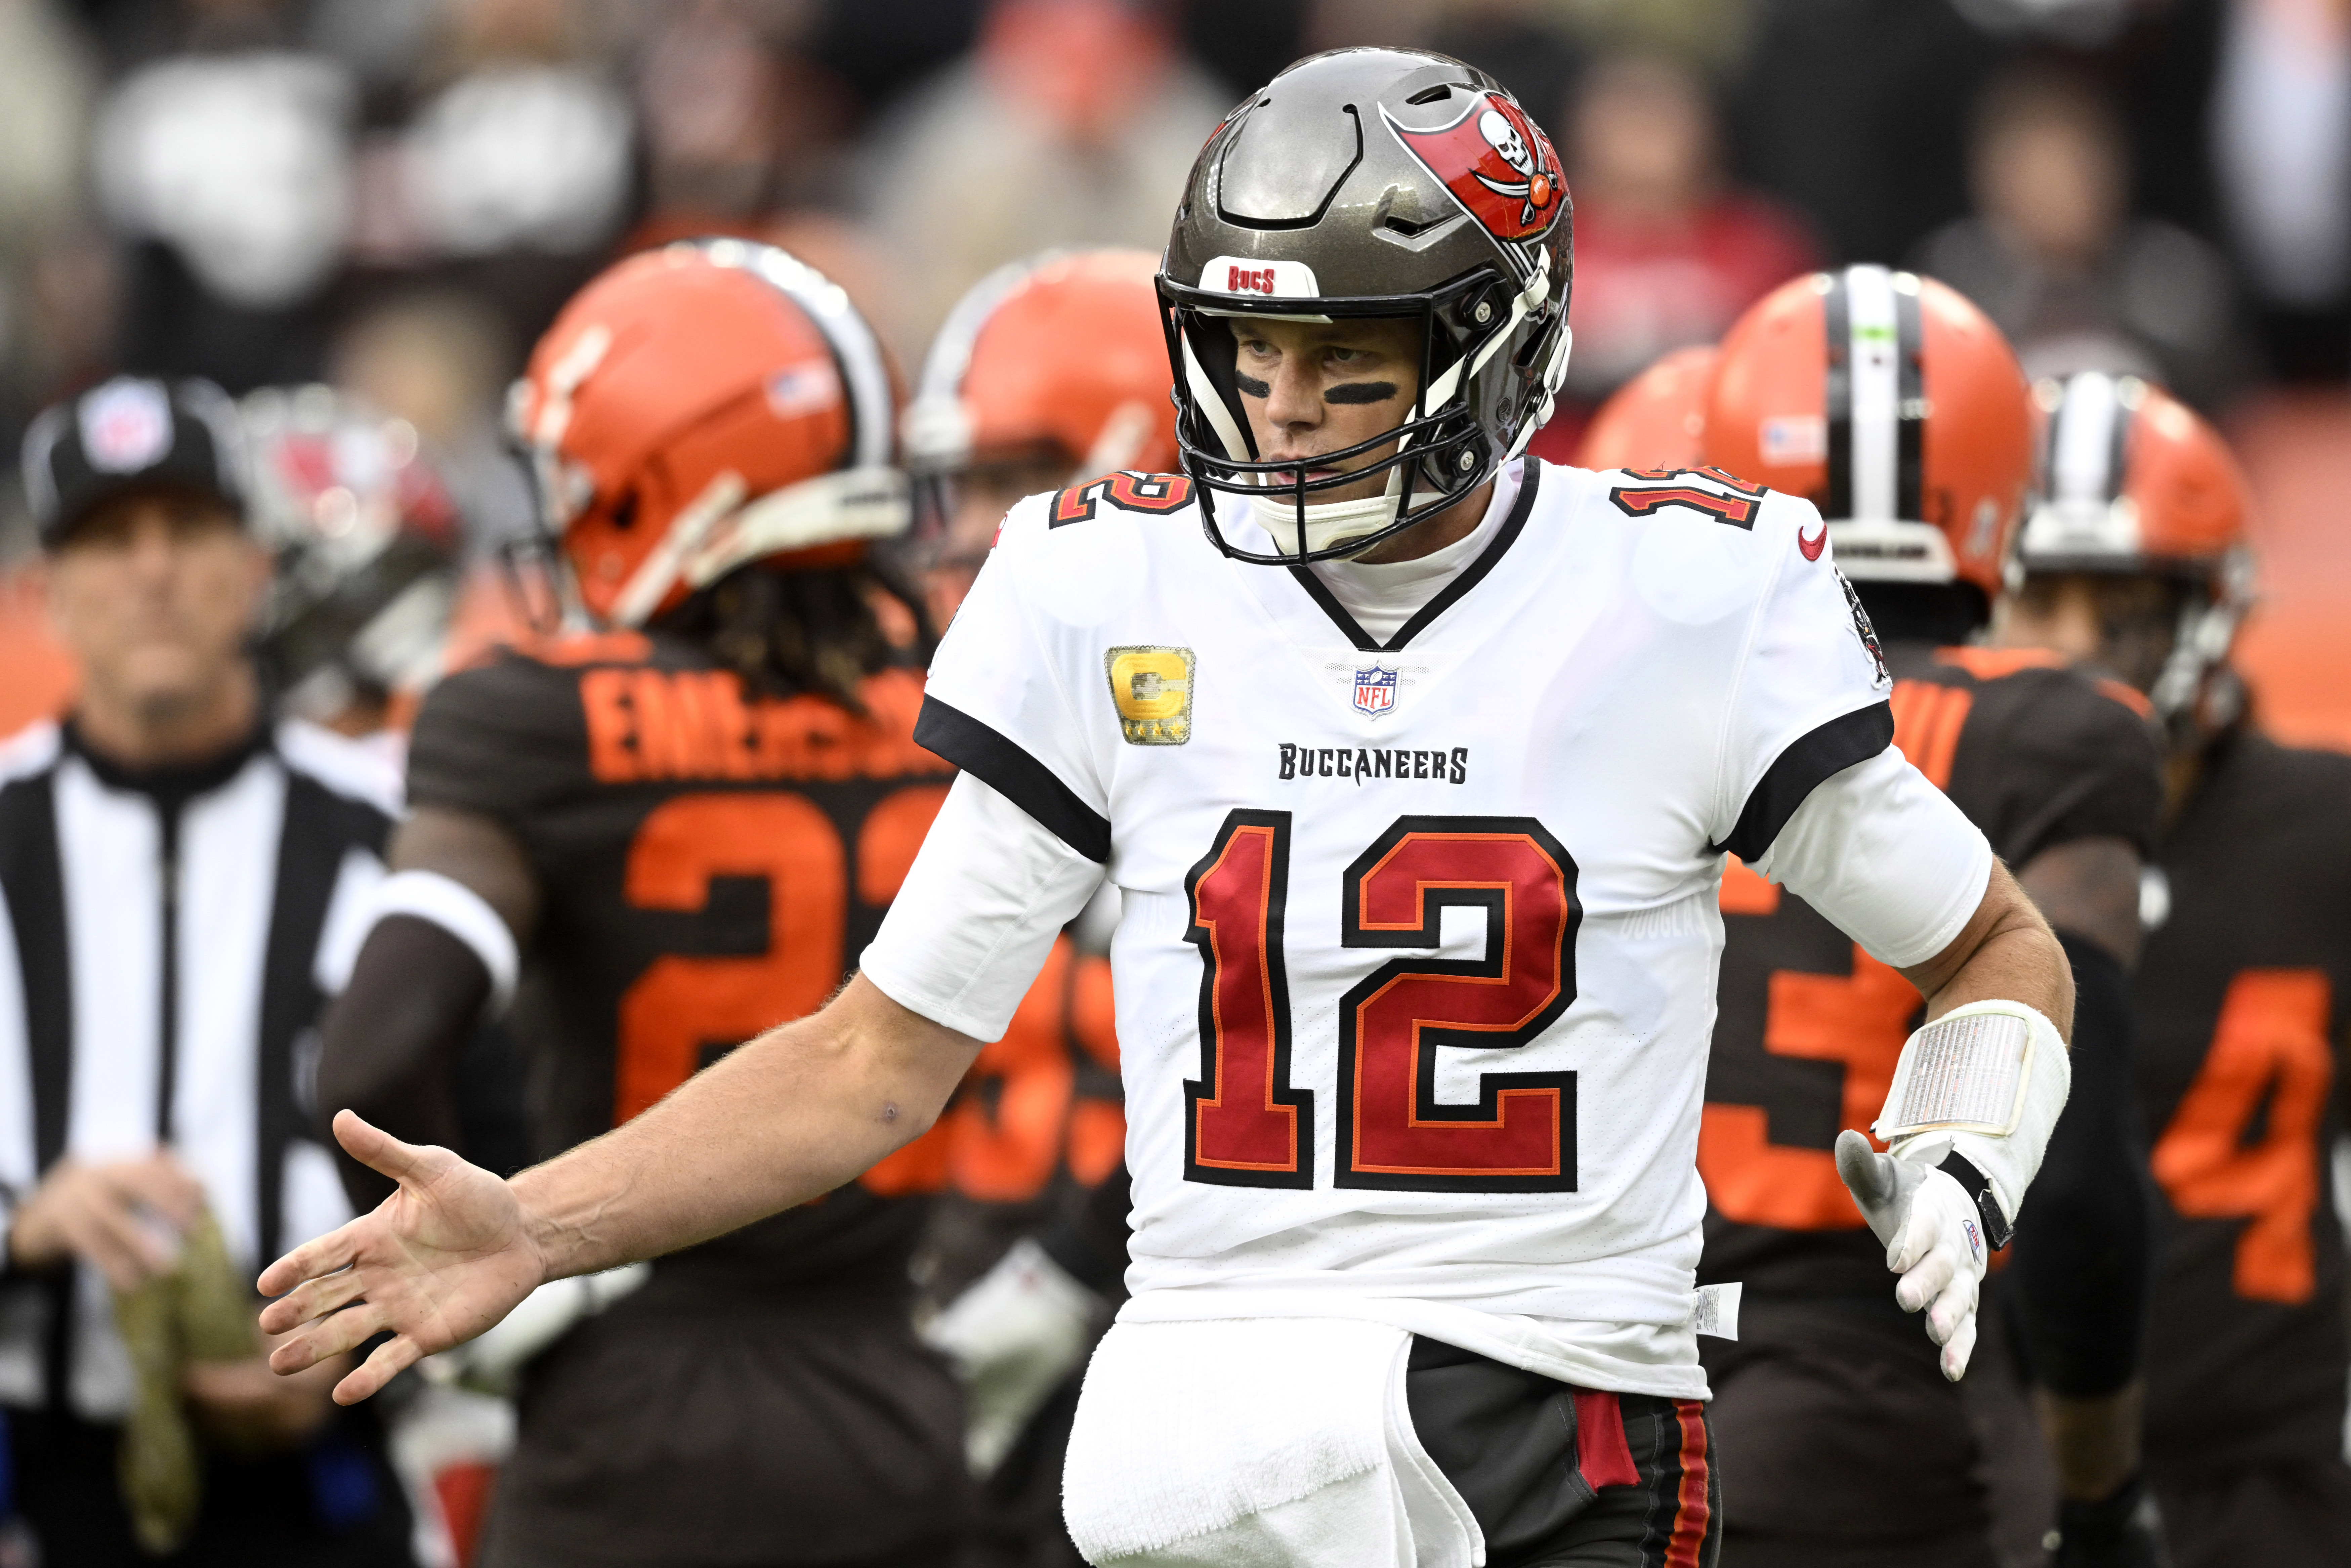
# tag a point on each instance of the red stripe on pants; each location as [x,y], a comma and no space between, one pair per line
[1692,1513]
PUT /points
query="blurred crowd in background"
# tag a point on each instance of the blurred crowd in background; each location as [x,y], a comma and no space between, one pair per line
[395,197]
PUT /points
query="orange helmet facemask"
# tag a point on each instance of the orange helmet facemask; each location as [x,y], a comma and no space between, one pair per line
[2132,482]
[1656,420]
[701,407]
[1895,406]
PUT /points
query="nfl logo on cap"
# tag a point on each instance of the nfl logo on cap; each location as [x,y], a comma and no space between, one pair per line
[126,425]
[1375,690]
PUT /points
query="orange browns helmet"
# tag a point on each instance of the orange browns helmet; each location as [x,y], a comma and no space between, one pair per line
[703,406]
[2130,480]
[1895,406]
[1062,355]
[1656,420]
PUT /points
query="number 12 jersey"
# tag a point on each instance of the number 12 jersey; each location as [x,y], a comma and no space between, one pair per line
[1416,967]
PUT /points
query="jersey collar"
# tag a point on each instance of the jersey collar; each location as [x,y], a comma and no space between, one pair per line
[1467,578]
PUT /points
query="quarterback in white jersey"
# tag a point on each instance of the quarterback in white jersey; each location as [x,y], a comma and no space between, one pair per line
[1418,925]
[1415,762]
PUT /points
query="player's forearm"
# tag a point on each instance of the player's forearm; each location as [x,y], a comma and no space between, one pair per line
[2007,953]
[799,1111]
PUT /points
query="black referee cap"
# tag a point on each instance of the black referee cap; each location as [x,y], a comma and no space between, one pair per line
[131,433]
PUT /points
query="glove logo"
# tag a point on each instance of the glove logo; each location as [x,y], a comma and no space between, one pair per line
[1975,1240]
[1497,162]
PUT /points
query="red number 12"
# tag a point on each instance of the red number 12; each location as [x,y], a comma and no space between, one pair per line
[1246,1125]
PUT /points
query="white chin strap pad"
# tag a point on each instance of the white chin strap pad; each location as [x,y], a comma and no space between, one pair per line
[1991,1077]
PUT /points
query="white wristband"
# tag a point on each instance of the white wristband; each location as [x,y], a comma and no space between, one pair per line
[461,912]
[1989,1078]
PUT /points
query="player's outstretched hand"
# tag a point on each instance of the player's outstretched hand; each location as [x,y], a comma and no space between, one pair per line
[1933,1240]
[437,1262]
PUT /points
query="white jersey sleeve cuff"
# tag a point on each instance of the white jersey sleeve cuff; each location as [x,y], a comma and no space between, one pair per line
[968,931]
[1886,857]
[461,912]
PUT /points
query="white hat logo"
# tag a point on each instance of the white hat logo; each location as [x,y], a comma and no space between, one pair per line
[126,425]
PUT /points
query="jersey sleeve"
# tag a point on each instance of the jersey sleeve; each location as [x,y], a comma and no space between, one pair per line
[499,740]
[1809,698]
[1886,857]
[997,706]
[2076,763]
[988,891]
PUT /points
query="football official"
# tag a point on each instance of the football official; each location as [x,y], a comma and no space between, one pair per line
[2137,570]
[1899,407]
[179,874]
[1415,762]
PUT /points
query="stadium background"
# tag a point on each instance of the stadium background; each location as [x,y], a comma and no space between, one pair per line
[395,196]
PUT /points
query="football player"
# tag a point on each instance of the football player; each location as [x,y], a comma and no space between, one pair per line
[2137,569]
[1898,408]
[676,832]
[1414,763]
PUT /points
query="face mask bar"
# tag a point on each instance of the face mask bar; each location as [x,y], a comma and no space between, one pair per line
[1443,445]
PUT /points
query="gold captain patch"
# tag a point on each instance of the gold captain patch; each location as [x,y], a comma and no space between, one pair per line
[1152,689]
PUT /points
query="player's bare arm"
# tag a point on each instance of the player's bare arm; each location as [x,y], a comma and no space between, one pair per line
[793,1114]
[2005,953]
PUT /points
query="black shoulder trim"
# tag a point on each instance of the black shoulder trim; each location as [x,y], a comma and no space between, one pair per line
[1028,783]
[1852,738]
[1467,578]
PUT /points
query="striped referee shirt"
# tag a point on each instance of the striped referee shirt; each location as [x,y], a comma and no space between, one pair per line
[166,943]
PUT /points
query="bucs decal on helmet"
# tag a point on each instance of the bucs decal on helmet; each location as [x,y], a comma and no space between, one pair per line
[1497,162]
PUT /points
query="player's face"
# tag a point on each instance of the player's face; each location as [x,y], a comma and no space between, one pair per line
[156,595]
[2123,626]
[1312,388]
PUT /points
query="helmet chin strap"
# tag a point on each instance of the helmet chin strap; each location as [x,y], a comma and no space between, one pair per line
[1329,522]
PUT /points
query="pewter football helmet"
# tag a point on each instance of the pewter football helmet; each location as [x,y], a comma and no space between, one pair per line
[1372,182]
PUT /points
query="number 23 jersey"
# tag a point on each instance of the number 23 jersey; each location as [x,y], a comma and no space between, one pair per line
[708,863]
[1416,968]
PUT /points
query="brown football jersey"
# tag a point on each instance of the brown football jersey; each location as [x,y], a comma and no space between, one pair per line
[1810,1026]
[711,864]
[2242,1034]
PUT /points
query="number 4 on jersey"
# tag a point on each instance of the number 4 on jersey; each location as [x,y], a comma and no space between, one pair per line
[1249,1125]
[2269,1054]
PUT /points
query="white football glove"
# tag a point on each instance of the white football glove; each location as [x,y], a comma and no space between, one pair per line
[1013,1337]
[1934,1238]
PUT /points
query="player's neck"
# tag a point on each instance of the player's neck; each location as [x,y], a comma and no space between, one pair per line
[1429,535]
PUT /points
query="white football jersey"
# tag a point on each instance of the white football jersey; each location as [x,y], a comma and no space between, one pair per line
[1416,967]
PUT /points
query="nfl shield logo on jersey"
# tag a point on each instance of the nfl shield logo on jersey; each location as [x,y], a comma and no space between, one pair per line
[1375,690]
